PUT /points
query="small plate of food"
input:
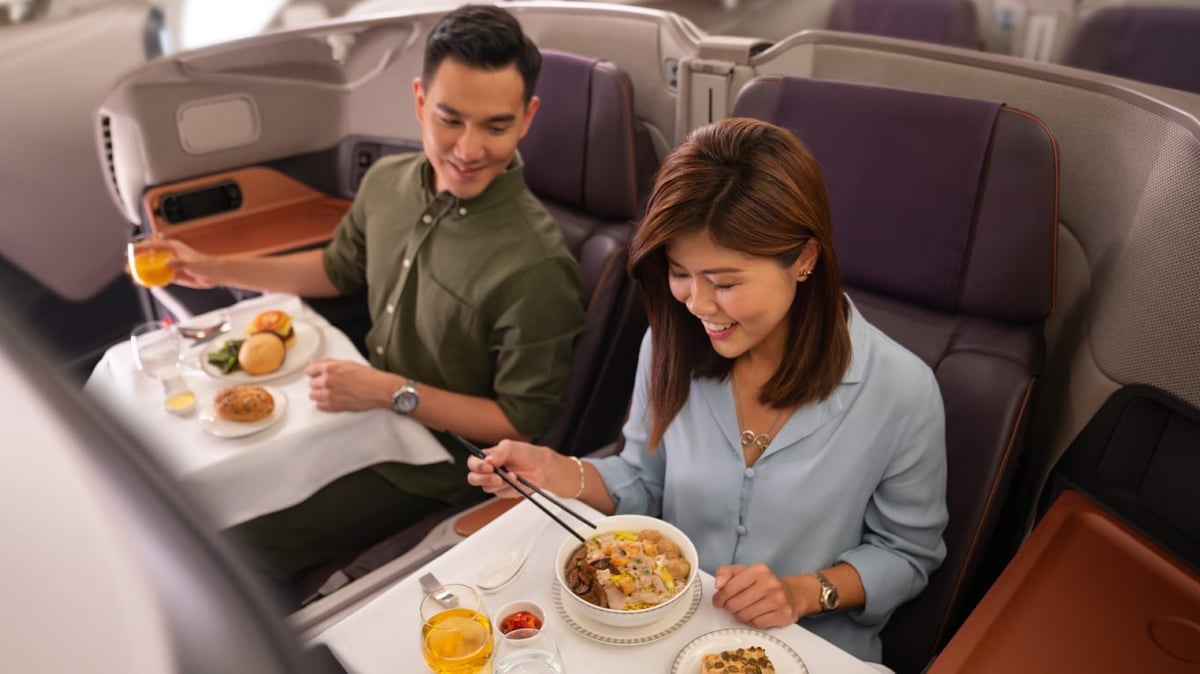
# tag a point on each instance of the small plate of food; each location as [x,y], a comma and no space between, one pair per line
[240,410]
[740,649]
[274,346]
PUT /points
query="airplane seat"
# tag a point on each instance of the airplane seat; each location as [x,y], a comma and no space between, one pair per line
[948,22]
[944,212]
[1154,44]
[585,162]
[1137,457]
[590,162]
[1118,511]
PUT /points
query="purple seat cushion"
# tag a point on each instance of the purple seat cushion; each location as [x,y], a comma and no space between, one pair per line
[902,185]
[1159,45]
[555,149]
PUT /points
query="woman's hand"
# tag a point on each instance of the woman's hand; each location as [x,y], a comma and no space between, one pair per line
[756,596]
[528,461]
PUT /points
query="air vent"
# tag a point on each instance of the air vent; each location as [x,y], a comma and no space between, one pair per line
[106,138]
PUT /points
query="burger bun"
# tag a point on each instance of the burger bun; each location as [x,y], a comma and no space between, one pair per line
[262,353]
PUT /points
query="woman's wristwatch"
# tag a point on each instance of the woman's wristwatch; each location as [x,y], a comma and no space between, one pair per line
[829,593]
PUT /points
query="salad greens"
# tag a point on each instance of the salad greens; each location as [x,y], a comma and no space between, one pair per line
[226,357]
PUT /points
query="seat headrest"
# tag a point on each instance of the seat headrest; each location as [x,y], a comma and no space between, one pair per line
[934,200]
[1150,44]
[949,22]
[580,149]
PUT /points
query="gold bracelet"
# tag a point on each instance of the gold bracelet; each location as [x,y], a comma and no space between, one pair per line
[580,464]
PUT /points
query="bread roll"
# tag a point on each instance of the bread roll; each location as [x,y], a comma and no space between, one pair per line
[243,403]
[262,353]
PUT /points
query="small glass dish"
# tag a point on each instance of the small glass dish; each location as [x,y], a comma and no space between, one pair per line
[178,398]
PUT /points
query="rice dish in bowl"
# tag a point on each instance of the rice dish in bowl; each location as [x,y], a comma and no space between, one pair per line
[633,569]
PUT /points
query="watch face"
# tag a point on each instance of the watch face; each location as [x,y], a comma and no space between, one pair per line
[405,400]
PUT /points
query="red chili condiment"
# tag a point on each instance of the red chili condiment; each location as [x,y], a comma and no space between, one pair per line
[520,620]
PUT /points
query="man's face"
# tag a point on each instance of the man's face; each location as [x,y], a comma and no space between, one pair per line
[471,120]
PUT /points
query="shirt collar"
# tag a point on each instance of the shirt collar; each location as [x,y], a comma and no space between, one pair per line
[719,394]
[502,189]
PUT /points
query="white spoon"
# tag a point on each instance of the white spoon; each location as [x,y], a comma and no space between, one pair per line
[501,571]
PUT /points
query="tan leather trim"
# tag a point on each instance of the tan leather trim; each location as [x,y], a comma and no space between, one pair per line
[473,520]
[277,214]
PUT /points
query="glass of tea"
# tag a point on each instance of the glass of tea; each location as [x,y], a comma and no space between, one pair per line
[456,636]
[148,259]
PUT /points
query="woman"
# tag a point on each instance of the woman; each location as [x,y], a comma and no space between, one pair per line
[801,449]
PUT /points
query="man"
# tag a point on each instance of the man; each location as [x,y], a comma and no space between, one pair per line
[473,296]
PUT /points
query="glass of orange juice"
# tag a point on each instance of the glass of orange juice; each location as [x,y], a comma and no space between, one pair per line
[148,259]
[457,639]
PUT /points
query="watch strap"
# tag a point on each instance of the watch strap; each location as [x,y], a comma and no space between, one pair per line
[829,593]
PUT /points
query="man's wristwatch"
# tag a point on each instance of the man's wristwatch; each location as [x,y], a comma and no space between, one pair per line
[829,593]
[406,398]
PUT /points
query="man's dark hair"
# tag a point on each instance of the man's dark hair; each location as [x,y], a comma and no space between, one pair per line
[485,37]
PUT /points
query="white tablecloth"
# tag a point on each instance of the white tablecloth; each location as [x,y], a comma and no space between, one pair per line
[384,636]
[240,478]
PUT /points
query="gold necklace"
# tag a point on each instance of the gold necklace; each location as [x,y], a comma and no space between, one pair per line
[749,437]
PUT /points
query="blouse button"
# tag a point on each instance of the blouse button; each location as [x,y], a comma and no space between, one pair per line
[741,530]
[427,219]
[391,308]
[462,211]
[749,472]
[379,350]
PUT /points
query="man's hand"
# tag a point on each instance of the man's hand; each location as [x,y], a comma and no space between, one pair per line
[756,596]
[193,269]
[339,385]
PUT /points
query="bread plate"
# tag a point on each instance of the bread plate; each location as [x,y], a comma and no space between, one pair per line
[307,346]
[225,428]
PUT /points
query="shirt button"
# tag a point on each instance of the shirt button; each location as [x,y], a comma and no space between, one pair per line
[741,529]
[749,472]
[462,211]
[391,308]
[427,219]
[407,263]
[379,350]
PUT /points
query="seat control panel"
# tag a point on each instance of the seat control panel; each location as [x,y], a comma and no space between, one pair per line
[178,207]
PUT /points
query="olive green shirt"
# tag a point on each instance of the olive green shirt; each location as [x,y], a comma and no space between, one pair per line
[479,297]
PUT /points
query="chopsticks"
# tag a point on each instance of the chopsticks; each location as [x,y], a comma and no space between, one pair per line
[504,474]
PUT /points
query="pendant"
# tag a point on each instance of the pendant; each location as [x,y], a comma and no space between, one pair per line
[760,440]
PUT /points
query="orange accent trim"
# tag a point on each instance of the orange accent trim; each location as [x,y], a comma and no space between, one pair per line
[277,214]
[1084,593]
[987,507]
[474,520]
[1054,221]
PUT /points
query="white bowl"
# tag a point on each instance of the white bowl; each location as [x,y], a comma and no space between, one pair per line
[637,617]
[512,607]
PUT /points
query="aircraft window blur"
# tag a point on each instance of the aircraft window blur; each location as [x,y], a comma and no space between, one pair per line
[206,22]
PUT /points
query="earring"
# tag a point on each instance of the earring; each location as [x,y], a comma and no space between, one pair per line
[805,274]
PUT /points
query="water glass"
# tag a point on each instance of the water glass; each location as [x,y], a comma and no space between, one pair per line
[456,637]
[155,349]
[527,651]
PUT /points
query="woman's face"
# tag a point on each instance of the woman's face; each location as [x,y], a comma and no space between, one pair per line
[741,300]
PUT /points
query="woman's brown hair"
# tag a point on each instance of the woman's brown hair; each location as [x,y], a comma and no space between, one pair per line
[754,188]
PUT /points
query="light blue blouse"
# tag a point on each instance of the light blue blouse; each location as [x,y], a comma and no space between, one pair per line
[859,477]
